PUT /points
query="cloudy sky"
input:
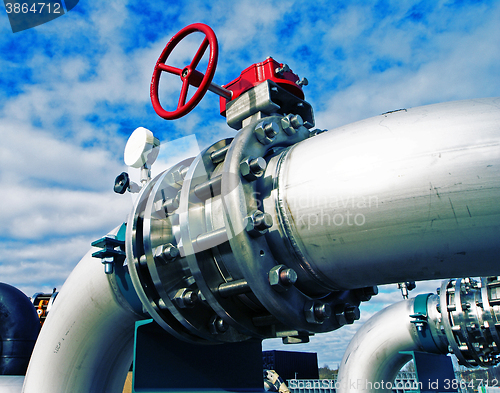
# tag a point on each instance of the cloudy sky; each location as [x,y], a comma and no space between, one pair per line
[72,91]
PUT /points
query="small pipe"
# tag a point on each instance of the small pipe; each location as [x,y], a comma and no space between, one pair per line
[374,353]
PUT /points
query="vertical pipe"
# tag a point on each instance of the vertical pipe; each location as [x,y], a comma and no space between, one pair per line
[86,343]
[373,358]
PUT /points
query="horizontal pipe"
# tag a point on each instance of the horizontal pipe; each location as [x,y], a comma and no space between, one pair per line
[409,195]
[86,343]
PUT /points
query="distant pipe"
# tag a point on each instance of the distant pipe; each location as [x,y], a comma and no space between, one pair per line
[373,355]
[461,319]
[86,343]
[19,328]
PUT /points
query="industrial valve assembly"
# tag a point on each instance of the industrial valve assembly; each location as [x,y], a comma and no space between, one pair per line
[282,231]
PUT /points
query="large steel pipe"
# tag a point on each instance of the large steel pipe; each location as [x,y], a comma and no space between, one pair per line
[86,343]
[408,195]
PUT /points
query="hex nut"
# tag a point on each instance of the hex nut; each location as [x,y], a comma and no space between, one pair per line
[287,126]
[281,278]
[166,252]
[252,168]
[351,314]
[258,223]
[217,325]
[339,315]
[316,312]
[185,298]
[366,293]
[265,132]
[177,176]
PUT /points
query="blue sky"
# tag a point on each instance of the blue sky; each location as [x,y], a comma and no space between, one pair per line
[72,91]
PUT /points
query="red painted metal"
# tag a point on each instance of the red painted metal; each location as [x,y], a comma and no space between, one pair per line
[189,75]
[258,73]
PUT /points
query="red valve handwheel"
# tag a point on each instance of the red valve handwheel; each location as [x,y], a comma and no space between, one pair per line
[188,74]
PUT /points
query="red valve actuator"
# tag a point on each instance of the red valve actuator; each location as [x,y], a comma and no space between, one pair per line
[257,73]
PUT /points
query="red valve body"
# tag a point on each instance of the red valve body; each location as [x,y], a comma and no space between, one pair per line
[258,73]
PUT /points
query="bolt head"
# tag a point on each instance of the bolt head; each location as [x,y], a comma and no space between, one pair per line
[185,298]
[166,252]
[265,132]
[351,314]
[287,126]
[282,278]
[252,168]
[316,312]
[217,325]
[258,223]
[177,176]
[365,294]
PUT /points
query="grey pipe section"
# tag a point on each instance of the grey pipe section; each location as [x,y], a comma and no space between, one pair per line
[86,343]
[408,195]
[372,358]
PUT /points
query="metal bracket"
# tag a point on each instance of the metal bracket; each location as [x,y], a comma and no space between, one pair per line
[113,252]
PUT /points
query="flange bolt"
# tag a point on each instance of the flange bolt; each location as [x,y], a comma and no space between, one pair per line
[316,312]
[351,314]
[217,325]
[252,168]
[257,223]
[166,252]
[291,123]
[186,298]
[266,132]
[366,293]
[322,311]
[281,278]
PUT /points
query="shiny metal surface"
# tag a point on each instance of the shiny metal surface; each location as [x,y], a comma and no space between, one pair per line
[373,356]
[408,195]
[461,319]
[470,311]
[87,341]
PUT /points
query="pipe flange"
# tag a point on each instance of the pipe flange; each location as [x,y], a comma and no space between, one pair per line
[252,255]
[205,246]
[141,265]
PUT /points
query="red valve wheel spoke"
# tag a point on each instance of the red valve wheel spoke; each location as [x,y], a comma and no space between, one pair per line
[189,75]
[169,69]
[201,51]
[183,96]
